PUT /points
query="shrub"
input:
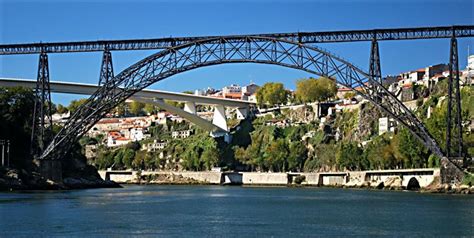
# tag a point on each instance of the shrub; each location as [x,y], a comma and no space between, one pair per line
[299,179]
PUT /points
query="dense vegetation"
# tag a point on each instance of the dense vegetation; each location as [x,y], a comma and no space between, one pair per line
[15,123]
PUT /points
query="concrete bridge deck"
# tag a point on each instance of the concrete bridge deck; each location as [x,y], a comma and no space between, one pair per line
[88,89]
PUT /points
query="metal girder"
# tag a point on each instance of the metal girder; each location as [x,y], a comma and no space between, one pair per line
[221,50]
[454,147]
[300,37]
[41,129]
[106,68]
[375,70]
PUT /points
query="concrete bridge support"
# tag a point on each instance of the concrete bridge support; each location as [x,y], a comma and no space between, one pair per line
[242,113]
[190,107]
[219,118]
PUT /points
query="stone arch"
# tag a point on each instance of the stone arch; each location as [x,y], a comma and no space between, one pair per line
[413,184]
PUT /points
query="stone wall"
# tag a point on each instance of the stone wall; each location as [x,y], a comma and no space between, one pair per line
[394,178]
[256,178]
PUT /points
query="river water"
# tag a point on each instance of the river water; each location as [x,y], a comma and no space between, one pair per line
[190,211]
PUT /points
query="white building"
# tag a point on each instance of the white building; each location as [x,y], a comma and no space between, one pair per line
[386,124]
[137,134]
[470,70]
[59,118]
[181,134]
[115,138]
[154,146]
[233,88]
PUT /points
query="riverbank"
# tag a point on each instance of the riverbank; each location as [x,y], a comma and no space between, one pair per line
[15,179]
[423,180]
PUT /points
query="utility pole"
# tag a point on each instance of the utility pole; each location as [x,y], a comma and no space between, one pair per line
[6,143]
[3,153]
[8,153]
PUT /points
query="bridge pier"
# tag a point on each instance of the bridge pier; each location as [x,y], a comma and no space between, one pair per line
[190,107]
[50,169]
[219,118]
[242,113]
[451,172]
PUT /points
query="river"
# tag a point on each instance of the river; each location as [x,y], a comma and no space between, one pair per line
[189,211]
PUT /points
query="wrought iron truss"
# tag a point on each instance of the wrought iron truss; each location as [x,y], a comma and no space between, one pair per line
[301,37]
[106,69]
[234,49]
[41,129]
[454,145]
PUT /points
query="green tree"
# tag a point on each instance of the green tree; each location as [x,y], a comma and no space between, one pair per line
[275,155]
[105,159]
[127,157]
[350,95]
[121,109]
[413,151]
[349,156]
[136,108]
[175,103]
[272,94]
[16,105]
[310,90]
[75,104]
[150,108]
[61,109]
[297,156]
[210,157]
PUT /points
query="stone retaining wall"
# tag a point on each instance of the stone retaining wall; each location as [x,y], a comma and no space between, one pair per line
[393,178]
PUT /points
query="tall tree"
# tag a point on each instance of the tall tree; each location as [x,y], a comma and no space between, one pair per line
[310,90]
[61,109]
[272,94]
[136,108]
[75,104]
[150,108]
[15,122]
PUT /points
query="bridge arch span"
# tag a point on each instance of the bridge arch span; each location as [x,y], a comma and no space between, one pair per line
[224,50]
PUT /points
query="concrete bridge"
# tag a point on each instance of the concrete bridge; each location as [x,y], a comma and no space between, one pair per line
[218,127]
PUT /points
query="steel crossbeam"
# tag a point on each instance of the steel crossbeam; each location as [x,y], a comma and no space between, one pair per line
[300,37]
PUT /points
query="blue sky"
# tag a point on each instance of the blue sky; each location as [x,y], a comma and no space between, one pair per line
[49,21]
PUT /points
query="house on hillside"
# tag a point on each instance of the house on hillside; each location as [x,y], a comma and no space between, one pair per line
[181,134]
[115,138]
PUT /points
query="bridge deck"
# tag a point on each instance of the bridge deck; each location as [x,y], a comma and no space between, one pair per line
[88,89]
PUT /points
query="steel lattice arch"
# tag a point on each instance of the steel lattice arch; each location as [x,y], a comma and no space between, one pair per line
[232,49]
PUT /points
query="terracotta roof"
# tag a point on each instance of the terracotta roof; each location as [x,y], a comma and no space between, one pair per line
[438,76]
[343,89]
[407,85]
[108,121]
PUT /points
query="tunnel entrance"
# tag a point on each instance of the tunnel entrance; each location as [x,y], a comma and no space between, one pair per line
[413,184]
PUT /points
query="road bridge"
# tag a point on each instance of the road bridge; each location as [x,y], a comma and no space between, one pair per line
[218,127]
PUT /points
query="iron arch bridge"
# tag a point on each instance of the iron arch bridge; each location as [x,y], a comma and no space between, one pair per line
[231,49]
